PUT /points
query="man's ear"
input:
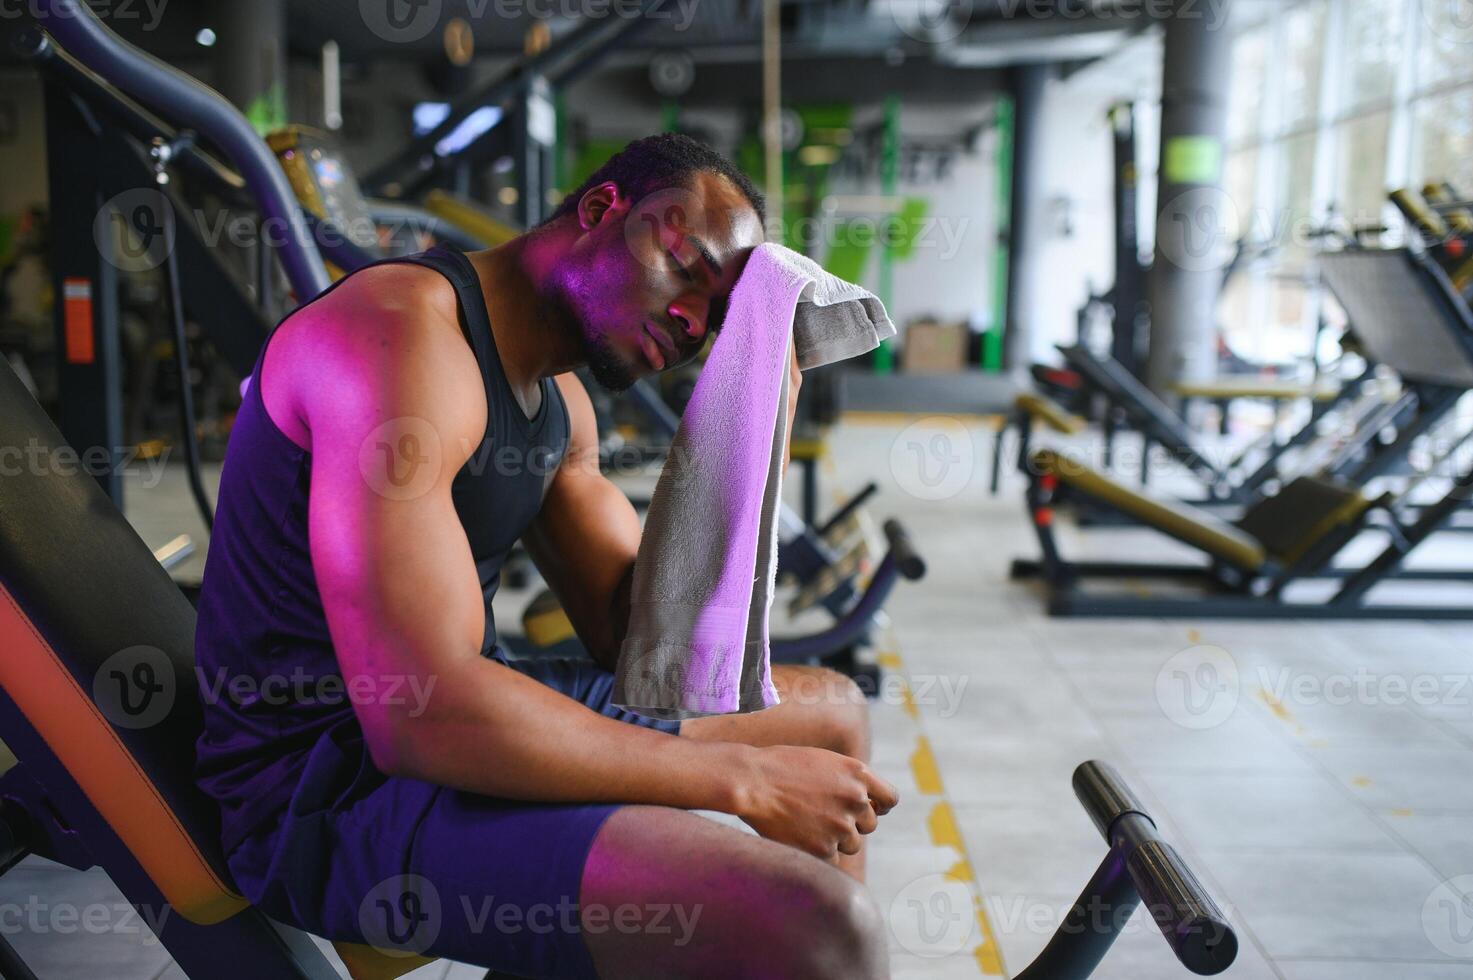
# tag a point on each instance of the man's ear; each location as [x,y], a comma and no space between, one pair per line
[598,202]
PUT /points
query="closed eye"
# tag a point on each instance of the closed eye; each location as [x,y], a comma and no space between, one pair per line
[682,268]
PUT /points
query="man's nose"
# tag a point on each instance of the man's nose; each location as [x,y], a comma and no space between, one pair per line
[690,320]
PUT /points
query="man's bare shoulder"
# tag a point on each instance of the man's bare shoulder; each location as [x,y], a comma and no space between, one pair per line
[387,340]
[383,300]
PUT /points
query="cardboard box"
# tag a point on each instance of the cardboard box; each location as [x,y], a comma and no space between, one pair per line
[935,348]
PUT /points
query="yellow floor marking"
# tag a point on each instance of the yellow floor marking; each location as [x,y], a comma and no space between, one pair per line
[944,833]
[1194,636]
[908,703]
[923,768]
[942,828]
[942,825]
[942,822]
[989,957]
[1402,811]
[1361,781]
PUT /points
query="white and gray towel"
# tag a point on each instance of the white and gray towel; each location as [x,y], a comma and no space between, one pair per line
[697,642]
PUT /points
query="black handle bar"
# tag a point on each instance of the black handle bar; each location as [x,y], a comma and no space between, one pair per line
[1193,925]
[910,564]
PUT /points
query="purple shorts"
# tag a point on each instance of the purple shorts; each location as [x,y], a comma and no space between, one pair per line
[403,864]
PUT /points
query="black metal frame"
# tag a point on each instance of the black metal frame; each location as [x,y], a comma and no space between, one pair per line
[415,167]
[92,157]
[1140,867]
[1360,459]
[1231,593]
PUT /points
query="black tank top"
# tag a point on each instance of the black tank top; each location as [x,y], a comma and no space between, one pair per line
[266,669]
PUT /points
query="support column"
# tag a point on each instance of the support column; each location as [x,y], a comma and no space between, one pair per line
[536,135]
[1019,245]
[884,359]
[250,50]
[1192,211]
[1132,311]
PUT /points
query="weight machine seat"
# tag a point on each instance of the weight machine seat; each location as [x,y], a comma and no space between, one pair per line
[1250,386]
[1049,412]
[1187,524]
[1301,515]
[84,606]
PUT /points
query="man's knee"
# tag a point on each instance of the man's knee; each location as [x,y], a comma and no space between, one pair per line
[841,932]
[831,927]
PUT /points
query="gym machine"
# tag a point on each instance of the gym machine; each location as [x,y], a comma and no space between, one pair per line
[1410,317]
[1345,435]
[1102,379]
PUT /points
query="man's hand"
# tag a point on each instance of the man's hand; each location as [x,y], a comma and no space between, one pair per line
[795,381]
[813,799]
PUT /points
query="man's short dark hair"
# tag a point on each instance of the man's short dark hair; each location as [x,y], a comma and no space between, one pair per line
[657,162]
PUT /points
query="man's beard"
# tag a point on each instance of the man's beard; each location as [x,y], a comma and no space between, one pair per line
[611,373]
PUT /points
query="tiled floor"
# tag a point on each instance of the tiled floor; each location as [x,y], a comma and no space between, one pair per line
[1323,805]
[1329,810]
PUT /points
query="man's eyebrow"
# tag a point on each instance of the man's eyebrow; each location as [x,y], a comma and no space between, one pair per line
[706,254]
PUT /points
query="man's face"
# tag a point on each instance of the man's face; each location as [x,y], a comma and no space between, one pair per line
[649,280]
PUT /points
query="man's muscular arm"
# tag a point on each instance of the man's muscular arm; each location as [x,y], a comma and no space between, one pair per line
[586,536]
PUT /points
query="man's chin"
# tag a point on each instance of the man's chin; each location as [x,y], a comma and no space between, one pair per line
[610,371]
[616,382]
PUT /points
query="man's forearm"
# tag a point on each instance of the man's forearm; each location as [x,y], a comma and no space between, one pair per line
[491,730]
[607,654]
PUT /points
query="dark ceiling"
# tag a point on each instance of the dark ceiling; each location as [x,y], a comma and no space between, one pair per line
[961,33]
